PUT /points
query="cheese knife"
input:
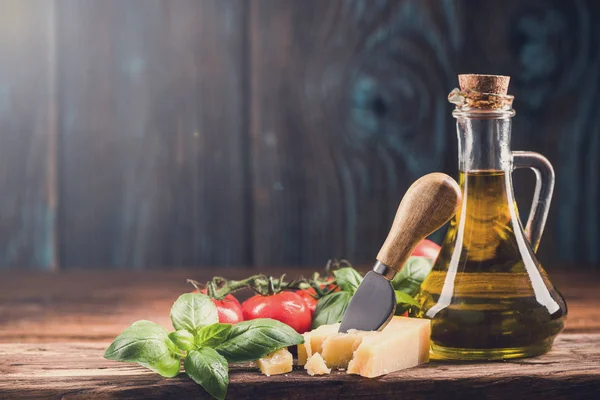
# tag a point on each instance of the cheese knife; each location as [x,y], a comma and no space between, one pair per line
[427,205]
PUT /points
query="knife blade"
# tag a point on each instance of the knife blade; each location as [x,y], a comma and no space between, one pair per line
[428,204]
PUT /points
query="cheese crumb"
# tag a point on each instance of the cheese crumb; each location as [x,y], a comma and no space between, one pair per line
[315,365]
[278,362]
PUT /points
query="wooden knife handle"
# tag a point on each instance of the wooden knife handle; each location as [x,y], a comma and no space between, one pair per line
[427,205]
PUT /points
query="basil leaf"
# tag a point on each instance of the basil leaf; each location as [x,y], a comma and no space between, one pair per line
[251,340]
[348,279]
[147,344]
[209,369]
[331,308]
[192,311]
[213,335]
[183,339]
[403,298]
[412,274]
[410,278]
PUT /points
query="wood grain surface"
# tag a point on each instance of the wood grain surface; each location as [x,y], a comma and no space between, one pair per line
[428,204]
[28,135]
[78,371]
[214,132]
[349,107]
[90,306]
[54,329]
[337,118]
[152,133]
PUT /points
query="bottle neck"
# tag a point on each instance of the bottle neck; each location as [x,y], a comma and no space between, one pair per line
[484,144]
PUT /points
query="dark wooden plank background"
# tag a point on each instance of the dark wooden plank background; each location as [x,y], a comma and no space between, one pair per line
[151,118]
[149,133]
[28,135]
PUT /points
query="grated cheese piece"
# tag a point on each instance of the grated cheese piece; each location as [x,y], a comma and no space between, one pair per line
[278,362]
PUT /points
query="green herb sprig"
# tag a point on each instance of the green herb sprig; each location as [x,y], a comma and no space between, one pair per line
[408,281]
[206,346]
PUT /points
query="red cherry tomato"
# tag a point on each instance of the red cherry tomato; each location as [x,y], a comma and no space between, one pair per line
[426,248]
[307,296]
[332,286]
[287,307]
[229,309]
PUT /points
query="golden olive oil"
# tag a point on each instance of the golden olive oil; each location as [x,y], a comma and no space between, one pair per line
[487,295]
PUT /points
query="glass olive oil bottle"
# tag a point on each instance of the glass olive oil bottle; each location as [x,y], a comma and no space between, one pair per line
[487,295]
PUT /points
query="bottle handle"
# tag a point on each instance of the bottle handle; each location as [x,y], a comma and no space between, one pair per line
[542,196]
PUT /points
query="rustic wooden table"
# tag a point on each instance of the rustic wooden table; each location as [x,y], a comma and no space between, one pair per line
[54,329]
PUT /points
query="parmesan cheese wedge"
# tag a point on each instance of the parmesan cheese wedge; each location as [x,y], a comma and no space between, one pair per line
[278,362]
[403,343]
[315,365]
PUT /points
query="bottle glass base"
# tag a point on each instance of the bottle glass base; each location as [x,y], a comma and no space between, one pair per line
[454,353]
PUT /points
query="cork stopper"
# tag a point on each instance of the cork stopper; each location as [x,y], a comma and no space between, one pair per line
[492,84]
